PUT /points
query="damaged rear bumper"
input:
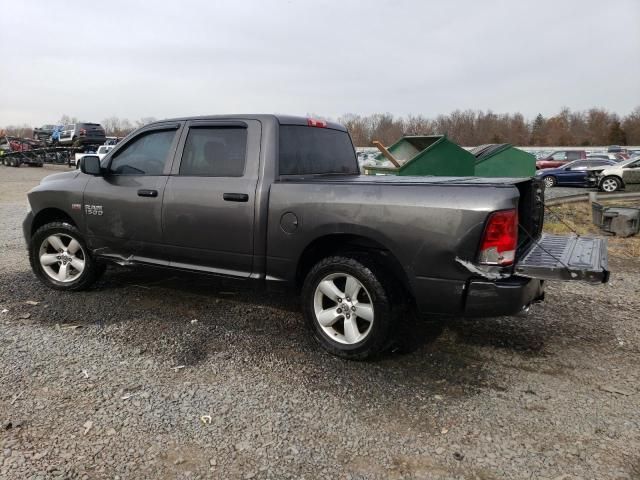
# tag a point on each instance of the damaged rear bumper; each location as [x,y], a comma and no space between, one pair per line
[493,298]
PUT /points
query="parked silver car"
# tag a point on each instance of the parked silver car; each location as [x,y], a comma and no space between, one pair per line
[616,177]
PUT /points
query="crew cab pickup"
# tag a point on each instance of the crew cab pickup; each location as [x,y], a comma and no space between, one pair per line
[279,200]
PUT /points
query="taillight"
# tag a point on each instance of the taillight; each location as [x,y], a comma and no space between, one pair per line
[312,122]
[500,238]
[83,132]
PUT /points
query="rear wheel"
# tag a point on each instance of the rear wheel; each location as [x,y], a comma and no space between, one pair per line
[348,307]
[61,259]
[610,184]
[550,181]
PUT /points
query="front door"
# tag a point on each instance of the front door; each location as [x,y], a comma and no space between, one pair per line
[208,208]
[123,208]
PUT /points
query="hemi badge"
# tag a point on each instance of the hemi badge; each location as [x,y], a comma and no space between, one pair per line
[76,206]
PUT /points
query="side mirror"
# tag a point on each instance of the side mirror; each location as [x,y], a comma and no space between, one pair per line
[90,164]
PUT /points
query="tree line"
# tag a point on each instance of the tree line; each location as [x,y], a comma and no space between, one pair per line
[595,126]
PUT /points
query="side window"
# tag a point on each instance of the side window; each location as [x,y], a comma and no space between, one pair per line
[573,155]
[145,155]
[559,156]
[214,152]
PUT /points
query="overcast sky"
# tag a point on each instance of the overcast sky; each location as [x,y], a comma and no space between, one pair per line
[96,59]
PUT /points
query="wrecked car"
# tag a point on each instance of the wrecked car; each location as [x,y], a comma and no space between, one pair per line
[279,201]
[623,175]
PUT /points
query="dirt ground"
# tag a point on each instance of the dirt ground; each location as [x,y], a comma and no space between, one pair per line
[154,375]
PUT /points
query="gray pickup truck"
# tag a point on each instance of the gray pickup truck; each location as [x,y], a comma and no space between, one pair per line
[279,200]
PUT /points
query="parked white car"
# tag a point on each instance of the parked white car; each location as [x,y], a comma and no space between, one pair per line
[616,177]
[101,153]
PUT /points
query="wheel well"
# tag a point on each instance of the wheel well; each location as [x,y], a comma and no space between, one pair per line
[345,244]
[49,215]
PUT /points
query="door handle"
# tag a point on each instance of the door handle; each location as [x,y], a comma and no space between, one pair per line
[236,197]
[147,193]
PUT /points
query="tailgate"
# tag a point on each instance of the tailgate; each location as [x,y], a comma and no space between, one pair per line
[563,257]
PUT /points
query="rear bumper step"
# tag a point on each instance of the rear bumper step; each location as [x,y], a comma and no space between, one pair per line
[560,257]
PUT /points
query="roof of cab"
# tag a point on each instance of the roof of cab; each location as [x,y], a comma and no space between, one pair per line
[281,119]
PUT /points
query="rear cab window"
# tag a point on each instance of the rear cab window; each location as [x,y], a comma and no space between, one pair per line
[309,150]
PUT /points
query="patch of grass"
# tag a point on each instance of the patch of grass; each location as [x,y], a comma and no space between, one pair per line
[578,217]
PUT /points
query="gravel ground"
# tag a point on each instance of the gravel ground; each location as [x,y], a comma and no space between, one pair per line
[149,375]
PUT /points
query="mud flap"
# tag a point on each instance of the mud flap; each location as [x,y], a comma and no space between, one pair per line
[561,257]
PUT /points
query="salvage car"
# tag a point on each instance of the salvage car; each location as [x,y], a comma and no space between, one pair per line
[79,134]
[616,177]
[279,201]
[573,174]
[44,133]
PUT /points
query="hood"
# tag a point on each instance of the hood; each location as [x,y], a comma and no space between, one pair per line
[609,170]
[60,176]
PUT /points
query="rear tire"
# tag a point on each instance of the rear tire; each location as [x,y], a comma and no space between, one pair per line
[610,184]
[349,307]
[60,258]
[550,181]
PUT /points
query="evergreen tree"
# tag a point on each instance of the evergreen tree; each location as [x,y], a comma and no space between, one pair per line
[537,131]
[617,136]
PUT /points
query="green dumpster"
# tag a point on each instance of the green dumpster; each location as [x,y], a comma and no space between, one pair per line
[503,160]
[426,155]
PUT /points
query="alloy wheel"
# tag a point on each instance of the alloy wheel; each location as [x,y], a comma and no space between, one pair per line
[343,308]
[62,258]
[609,185]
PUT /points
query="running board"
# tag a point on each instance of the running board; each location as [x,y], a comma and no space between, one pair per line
[560,257]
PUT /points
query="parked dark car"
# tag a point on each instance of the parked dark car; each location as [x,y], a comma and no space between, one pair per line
[559,158]
[43,133]
[78,134]
[278,201]
[573,174]
[617,157]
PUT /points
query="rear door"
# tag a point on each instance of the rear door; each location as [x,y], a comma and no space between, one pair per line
[123,207]
[67,133]
[208,209]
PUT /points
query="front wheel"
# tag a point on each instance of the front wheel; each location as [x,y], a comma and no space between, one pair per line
[610,184]
[61,259]
[348,307]
[550,181]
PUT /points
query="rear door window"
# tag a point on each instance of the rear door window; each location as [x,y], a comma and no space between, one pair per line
[214,152]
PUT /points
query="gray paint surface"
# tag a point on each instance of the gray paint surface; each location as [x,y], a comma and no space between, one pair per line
[424,223]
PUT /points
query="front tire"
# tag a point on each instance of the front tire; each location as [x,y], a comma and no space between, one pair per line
[60,258]
[610,184]
[348,307]
[550,181]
